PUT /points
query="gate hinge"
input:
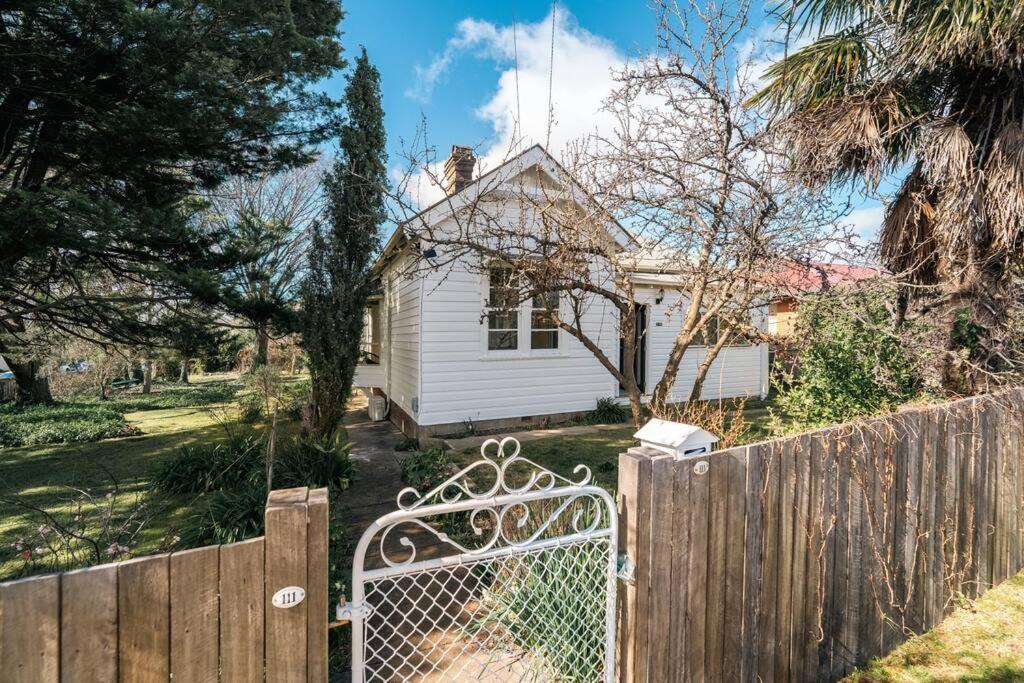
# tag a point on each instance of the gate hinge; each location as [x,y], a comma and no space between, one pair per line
[625,570]
[347,611]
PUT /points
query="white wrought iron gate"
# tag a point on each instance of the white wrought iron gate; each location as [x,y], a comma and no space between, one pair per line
[506,571]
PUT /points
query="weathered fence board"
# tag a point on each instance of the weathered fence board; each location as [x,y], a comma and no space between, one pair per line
[29,630]
[144,619]
[802,558]
[88,614]
[193,615]
[195,612]
[241,611]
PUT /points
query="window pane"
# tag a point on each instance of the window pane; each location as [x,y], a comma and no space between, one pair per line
[502,340]
[541,320]
[709,335]
[502,292]
[544,340]
[503,320]
[547,300]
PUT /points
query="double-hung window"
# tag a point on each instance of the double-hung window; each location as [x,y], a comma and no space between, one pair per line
[717,327]
[502,310]
[514,325]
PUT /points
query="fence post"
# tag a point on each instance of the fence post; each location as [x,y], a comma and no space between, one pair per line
[634,507]
[296,556]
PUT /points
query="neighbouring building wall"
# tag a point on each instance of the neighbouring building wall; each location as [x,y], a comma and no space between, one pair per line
[782,317]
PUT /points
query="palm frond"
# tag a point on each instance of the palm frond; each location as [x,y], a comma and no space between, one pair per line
[908,246]
[832,66]
[849,137]
[1004,188]
[947,153]
[974,31]
[824,15]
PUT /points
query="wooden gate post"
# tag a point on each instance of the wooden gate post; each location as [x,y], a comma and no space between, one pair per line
[634,504]
[296,557]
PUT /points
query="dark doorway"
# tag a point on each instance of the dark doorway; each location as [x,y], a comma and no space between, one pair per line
[640,360]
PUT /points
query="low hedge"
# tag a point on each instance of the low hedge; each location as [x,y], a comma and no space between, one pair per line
[63,422]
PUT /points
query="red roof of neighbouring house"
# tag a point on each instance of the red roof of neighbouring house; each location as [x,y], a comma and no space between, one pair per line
[806,279]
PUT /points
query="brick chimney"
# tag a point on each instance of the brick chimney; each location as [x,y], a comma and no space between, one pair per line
[458,169]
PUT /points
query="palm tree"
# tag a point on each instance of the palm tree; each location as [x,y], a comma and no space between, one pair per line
[934,90]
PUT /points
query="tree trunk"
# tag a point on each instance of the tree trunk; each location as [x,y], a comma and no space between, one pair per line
[262,346]
[183,375]
[32,389]
[709,357]
[636,406]
[147,376]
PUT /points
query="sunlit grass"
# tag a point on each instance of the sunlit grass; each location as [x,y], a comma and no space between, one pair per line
[979,642]
[52,477]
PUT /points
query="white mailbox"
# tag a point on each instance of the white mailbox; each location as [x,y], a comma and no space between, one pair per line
[676,438]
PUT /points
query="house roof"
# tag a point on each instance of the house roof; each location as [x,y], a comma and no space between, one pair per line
[535,156]
[817,277]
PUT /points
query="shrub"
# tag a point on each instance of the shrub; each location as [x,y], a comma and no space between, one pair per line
[608,411]
[849,363]
[225,517]
[65,422]
[314,462]
[237,463]
[423,471]
[250,408]
[174,396]
[408,444]
[295,399]
[232,480]
[547,608]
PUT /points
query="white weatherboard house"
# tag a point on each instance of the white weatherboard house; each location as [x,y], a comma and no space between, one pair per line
[443,363]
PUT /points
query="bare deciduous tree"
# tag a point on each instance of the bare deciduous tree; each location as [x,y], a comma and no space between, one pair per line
[269,220]
[688,196]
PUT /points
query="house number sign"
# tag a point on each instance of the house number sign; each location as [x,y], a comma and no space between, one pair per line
[701,467]
[289,596]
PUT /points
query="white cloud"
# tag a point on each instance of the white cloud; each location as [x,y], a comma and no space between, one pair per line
[583,76]
[866,222]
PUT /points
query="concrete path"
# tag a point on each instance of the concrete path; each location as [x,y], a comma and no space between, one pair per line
[474,442]
[378,472]
[375,486]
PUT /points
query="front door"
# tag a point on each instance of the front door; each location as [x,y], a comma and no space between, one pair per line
[640,359]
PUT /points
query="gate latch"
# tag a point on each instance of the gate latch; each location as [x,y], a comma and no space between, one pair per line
[347,611]
[625,570]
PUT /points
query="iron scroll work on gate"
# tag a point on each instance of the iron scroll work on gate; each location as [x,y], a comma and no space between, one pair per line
[505,571]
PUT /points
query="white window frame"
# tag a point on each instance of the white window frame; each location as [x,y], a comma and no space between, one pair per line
[525,318]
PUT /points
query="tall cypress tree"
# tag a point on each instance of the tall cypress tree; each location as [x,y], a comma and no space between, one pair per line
[339,280]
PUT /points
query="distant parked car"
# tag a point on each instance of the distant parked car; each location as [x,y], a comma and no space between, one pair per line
[76,366]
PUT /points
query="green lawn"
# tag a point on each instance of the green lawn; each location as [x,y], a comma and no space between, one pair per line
[979,642]
[58,479]
[599,450]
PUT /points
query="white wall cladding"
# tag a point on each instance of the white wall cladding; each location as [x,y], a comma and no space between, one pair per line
[402,299]
[738,370]
[461,380]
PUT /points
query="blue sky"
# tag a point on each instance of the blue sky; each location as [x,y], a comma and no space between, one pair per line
[450,66]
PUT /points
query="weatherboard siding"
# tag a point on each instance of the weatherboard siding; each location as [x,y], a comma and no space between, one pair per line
[739,371]
[402,297]
[462,381]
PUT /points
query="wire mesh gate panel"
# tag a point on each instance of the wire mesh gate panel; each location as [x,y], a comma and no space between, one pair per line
[504,572]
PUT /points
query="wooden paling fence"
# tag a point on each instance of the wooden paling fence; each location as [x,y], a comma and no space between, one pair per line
[192,615]
[802,558]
